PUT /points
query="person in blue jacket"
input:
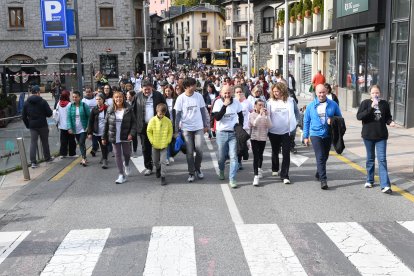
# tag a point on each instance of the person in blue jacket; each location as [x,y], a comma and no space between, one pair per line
[316,123]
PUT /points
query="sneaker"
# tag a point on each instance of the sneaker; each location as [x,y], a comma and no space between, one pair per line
[200,174]
[387,190]
[317,176]
[135,155]
[127,170]
[256,180]
[275,173]
[260,173]
[34,165]
[104,164]
[233,183]
[51,158]
[191,178]
[62,157]
[286,181]
[167,162]
[93,153]
[368,185]
[324,185]
[294,151]
[221,175]
[158,173]
[147,172]
[121,179]
[240,167]
[84,162]
[163,182]
[171,159]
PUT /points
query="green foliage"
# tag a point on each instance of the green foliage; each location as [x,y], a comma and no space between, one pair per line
[307,5]
[318,3]
[299,8]
[292,11]
[190,3]
[281,16]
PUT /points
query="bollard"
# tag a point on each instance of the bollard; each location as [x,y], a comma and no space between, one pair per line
[23,158]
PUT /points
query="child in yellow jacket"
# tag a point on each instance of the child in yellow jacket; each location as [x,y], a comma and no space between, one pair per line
[159,132]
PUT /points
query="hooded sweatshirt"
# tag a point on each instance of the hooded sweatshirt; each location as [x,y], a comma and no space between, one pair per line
[35,111]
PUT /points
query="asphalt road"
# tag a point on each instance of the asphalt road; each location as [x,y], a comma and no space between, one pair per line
[84,224]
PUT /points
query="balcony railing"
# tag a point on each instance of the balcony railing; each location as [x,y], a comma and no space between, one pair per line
[205,30]
[241,17]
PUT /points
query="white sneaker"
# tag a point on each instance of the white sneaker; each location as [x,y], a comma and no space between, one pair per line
[121,179]
[167,162]
[368,185]
[275,173]
[200,174]
[286,181]
[147,172]
[127,170]
[260,173]
[256,180]
[191,178]
[171,159]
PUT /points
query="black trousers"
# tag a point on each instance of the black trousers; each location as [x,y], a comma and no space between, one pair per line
[67,141]
[258,149]
[321,146]
[278,141]
[146,150]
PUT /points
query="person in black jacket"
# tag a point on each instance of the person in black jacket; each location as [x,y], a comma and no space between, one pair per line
[210,94]
[331,95]
[144,104]
[34,114]
[96,126]
[375,116]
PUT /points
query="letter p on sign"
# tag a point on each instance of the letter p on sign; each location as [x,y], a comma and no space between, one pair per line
[51,8]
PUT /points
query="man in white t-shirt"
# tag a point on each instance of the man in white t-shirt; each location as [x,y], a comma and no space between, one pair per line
[192,118]
[227,113]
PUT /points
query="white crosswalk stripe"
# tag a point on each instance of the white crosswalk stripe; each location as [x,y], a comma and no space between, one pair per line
[267,251]
[171,252]
[9,241]
[363,250]
[78,253]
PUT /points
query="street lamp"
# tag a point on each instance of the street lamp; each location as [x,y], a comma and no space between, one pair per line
[248,40]
[145,6]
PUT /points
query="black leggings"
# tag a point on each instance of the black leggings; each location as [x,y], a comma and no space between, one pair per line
[258,149]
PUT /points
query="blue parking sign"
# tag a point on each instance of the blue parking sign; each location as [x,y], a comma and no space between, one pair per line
[54,24]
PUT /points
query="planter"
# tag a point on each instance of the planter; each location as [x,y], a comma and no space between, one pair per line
[299,28]
[281,31]
[316,10]
[299,17]
[4,113]
[292,29]
[307,13]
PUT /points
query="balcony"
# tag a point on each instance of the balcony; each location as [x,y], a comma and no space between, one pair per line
[241,17]
[205,31]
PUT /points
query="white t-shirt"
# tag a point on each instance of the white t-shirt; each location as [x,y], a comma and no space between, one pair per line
[63,114]
[101,124]
[247,107]
[78,123]
[230,118]
[191,119]
[279,115]
[170,107]
[149,109]
[90,102]
[321,109]
[109,102]
[119,115]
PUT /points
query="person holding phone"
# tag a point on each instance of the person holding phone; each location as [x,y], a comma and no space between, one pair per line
[375,115]
[120,128]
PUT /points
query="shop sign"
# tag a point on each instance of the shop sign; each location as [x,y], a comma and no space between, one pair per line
[348,7]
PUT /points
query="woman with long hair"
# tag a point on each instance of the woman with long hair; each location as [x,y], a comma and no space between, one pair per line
[96,127]
[120,128]
[67,141]
[210,94]
[281,108]
[170,97]
[108,95]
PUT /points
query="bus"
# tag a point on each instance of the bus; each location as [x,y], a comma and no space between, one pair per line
[222,57]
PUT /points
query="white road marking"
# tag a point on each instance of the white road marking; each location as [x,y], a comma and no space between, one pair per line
[409,225]
[267,251]
[171,252]
[138,163]
[9,241]
[363,250]
[296,159]
[209,144]
[78,253]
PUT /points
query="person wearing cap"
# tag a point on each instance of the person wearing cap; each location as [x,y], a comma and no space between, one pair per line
[34,114]
[144,104]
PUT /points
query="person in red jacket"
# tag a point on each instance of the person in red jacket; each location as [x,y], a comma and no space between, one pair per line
[318,79]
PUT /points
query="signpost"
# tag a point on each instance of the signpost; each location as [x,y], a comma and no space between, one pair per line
[54,24]
[348,7]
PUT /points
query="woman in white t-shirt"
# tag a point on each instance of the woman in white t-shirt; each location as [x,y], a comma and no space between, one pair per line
[170,97]
[67,141]
[257,93]
[227,112]
[282,114]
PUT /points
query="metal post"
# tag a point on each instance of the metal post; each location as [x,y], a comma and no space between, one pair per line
[286,53]
[144,3]
[248,41]
[78,50]
[23,158]
[231,43]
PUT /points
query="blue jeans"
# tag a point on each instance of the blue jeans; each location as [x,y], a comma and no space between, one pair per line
[193,142]
[381,147]
[227,146]
[321,146]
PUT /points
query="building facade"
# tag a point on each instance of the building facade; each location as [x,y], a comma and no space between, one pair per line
[159,6]
[112,42]
[237,24]
[156,34]
[194,31]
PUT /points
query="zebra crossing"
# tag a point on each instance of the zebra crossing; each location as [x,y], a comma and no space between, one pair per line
[172,250]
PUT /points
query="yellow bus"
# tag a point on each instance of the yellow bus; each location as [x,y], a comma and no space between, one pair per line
[221,57]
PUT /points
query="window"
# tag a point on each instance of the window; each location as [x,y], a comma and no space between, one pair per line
[138,23]
[16,18]
[107,17]
[268,20]
[204,42]
[109,65]
[203,15]
[204,26]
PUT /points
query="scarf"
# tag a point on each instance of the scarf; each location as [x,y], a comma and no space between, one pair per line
[103,107]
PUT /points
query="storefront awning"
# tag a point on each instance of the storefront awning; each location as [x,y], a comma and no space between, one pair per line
[314,42]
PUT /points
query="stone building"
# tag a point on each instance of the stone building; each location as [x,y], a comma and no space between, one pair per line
[112,41]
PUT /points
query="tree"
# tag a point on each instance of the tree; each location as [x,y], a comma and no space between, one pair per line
[190,3]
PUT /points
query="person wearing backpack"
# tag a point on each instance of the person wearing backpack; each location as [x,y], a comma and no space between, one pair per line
[78,116]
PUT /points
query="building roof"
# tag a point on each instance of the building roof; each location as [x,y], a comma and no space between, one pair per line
[175,11]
